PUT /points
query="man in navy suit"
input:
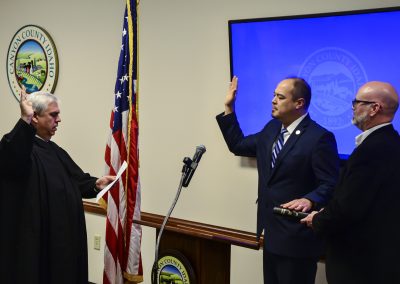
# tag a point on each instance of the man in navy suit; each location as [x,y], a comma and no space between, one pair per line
[300,177]
[361,221]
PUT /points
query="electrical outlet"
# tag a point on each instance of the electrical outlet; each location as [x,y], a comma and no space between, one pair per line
[97,241]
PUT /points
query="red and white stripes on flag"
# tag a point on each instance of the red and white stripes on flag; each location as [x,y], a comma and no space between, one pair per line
[122,254]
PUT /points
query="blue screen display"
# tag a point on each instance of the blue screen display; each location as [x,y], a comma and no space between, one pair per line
[335,54]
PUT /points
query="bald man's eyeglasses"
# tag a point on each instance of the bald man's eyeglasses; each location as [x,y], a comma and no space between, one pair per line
[355,102]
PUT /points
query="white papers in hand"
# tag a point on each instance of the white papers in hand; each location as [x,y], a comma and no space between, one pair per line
[120,172]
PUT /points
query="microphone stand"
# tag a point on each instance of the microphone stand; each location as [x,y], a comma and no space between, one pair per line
[187,167]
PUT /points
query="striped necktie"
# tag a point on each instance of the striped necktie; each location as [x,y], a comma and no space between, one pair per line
[278,147]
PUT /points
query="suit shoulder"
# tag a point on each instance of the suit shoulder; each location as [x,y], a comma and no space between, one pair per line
[382,140]
[317,128]
[273,123]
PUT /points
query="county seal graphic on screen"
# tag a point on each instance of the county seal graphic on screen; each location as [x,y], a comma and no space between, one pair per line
[334,75]
[32,61]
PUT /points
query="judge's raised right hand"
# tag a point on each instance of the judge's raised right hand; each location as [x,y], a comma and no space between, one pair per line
[25,106]
[231,96]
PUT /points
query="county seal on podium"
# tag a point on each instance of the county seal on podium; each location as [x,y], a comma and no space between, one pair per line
[174,268]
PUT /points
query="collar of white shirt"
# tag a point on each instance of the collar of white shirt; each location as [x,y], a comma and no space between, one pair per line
[361,137]
[41,138]
[292,127]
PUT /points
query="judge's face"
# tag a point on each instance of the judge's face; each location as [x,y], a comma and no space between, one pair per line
[46,123]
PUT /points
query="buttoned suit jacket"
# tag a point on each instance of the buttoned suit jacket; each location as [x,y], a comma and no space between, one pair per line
[360,223]
[307,167]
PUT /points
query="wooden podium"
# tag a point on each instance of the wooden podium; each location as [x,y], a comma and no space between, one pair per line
[207,247]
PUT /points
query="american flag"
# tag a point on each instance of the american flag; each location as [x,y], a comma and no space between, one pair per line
[122,254]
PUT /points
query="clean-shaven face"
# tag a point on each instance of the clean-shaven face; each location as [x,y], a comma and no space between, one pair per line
[47,122]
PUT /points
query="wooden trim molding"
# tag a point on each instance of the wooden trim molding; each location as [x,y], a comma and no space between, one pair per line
[200,230]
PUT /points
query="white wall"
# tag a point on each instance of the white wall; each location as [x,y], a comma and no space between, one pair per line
[184,73]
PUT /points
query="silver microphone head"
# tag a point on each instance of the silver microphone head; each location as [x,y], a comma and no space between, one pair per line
[201,148]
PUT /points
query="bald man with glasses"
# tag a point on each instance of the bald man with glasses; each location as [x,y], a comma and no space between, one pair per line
[360,223]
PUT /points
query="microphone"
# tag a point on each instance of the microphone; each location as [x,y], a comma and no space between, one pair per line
[289,213]
[190,165]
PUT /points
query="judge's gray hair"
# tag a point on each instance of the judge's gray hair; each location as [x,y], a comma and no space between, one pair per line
[41,100]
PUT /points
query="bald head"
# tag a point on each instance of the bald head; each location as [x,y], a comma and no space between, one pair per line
[379,102]
[382,93]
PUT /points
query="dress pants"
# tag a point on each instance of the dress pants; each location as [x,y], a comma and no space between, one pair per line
[288,270]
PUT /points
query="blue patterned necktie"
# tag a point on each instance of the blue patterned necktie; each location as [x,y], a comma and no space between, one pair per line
[278,147]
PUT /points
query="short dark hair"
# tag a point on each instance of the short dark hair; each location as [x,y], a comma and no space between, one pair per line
[301,90]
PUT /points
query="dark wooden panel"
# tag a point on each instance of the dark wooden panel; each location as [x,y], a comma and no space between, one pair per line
[210,259]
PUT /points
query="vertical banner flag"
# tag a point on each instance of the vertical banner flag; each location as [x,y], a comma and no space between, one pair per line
[122,255]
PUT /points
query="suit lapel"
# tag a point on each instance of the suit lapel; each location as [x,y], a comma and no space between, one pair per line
[290,143]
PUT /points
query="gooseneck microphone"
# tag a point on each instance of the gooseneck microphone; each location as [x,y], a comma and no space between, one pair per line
[188,170]
[290,213]
[190,165]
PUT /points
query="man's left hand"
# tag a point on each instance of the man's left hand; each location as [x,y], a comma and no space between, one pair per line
[302,204]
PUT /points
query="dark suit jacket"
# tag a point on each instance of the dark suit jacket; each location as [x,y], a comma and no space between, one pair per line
[361,221]
[307,166]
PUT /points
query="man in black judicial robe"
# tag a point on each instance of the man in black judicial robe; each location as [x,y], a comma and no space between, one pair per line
[43,233]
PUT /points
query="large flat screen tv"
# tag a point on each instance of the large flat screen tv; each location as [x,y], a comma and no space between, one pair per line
[336,53]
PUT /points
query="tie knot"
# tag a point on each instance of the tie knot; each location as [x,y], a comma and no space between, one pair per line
[283,130]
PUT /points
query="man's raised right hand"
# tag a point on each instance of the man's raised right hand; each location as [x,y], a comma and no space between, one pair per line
[25,106]
[231,96]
